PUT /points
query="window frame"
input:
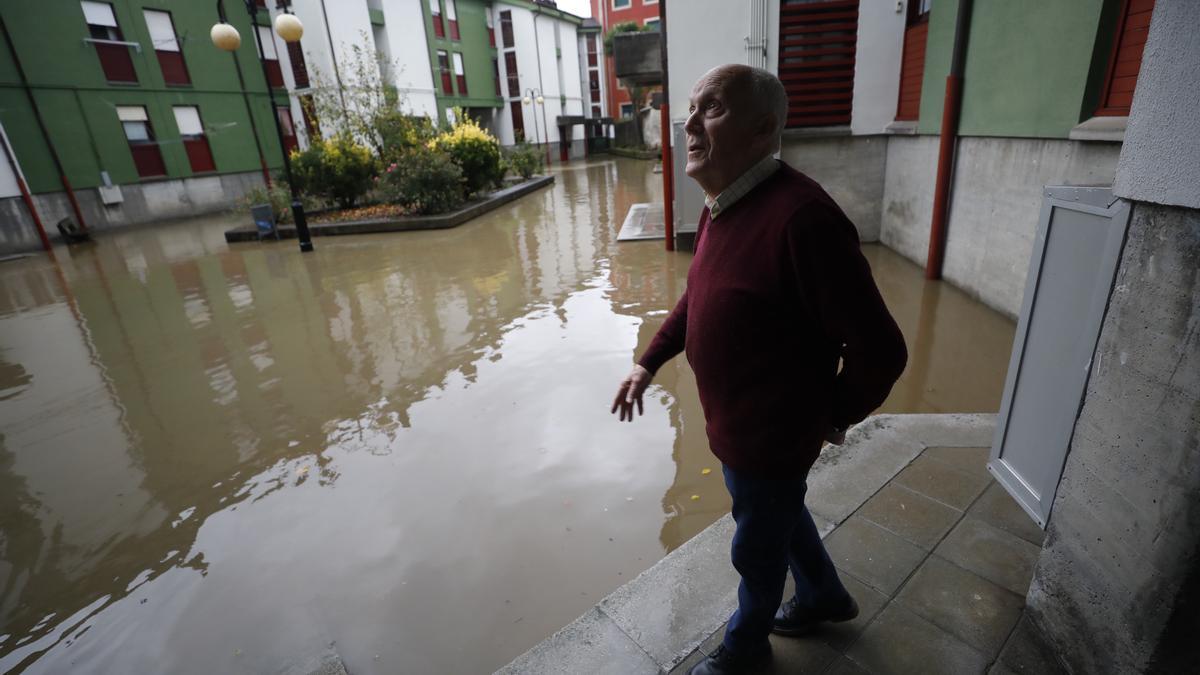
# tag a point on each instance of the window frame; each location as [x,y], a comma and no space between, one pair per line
[196,145]
[443,64]
[628,5]
[435,16]
[145,153]
[460,72]
[622,108]
[452,18]
[112,50]
[507,38]
[170,61]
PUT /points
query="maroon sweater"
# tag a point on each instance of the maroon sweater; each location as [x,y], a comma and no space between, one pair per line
[778,290]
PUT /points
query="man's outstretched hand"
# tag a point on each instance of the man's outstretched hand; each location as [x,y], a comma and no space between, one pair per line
[630,392]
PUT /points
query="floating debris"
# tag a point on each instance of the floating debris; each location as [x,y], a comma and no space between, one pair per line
[695,498]
[705,472]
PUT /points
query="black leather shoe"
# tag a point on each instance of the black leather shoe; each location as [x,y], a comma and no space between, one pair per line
[792,620]
[725,662]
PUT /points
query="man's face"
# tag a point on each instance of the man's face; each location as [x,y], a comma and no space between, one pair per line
[723,141]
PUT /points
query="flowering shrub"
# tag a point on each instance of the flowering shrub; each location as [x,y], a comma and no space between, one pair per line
[425,181]
[525,160]
[337,170]
[475,151]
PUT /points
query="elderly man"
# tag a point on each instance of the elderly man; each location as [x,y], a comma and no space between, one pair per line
[777,294]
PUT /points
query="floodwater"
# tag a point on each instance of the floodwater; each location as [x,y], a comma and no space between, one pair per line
[398,448]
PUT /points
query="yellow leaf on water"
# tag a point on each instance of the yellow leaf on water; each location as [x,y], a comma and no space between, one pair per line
[695,497]
[705,472]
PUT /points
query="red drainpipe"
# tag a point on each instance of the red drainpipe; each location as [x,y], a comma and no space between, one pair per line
[951,105]
[26,197]
[665,123]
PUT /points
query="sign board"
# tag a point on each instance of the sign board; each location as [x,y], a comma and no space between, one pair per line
[264,220]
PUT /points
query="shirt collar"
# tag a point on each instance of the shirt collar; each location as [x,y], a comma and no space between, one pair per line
[740,187]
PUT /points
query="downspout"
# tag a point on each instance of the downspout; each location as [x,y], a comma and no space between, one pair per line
[37,113]
[951,105]
[537,11]
[237,67]
[668,170]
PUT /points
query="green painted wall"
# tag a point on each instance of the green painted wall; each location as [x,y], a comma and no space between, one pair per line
[1030,66]
[78,104]
[477,57]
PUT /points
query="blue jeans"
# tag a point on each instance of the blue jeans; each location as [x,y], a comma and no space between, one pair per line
[774,532]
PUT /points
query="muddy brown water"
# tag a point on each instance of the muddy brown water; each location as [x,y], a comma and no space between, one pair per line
[398,448]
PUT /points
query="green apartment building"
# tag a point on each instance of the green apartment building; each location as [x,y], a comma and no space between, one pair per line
[461,39]
[148,119]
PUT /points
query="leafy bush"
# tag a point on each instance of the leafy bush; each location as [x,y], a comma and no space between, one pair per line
[398,133]
[337,170]
[425,181]
[278,196]
[475,151]
[525,160]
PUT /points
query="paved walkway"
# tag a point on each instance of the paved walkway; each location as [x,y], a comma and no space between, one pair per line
[936,552]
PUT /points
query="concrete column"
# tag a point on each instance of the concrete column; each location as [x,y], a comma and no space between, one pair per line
[1117,585]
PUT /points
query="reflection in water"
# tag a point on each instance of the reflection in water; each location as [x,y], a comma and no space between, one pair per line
[229,459]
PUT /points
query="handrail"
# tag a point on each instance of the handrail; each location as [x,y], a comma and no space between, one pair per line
[100,41]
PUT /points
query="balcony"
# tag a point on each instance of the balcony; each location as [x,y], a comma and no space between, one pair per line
[637,58]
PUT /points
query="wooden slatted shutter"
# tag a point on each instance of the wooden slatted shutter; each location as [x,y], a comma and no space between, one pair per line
[816,59]
[912,61]
[1132,28]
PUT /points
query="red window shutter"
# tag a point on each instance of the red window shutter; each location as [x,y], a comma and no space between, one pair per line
[454,29]
[116,63]
[199,154]
[288,128]
[274,74]
[462,84]
[439,29]
[299,67]
[816,60]
[912,70]
[506,29]
[496,69]
[514,79]
[1126,60]
[148,160]
[491,36]
[518,120]
[174,70]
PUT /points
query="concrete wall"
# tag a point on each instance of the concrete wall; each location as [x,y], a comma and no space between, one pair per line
[1162,164]
[850,168]
[877,66]
[1121,564]
[995,204]
[144,203]
[1124,534]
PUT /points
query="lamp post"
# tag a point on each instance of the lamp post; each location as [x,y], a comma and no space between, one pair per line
[533,95]
[287,26]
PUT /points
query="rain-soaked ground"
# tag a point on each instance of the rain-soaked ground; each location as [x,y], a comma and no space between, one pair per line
[227,459]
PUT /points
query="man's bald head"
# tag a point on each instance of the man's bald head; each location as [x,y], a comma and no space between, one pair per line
[758,94]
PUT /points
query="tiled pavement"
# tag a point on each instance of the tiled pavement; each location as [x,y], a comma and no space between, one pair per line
[939,560]
[937,554]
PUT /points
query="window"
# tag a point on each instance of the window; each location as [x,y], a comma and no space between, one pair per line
[626,110]
[435,12]
[452,15]
[596,112]
[518,120]
[288,128]
[622,4]
[491,26]
[309,109]
[496,69]
[140,135]
[460,75]
[651,23]
[195,143]
[299,66]
[594,85]
[106,36]
[444,69]
[166,47]
[1126,60]
[591,51]
[912,60]
[514,80]
[506,31]
[816,60]
[269,56]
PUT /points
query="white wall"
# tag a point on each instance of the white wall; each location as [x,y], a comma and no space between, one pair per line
[8,179]
[877,65]
[413,72]
[532,48]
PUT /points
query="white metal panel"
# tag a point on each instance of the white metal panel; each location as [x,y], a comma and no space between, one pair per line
[1071,273]
[98,13]
[162,31]
[187,118]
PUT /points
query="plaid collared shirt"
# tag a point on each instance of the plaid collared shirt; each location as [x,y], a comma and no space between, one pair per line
[738,189]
